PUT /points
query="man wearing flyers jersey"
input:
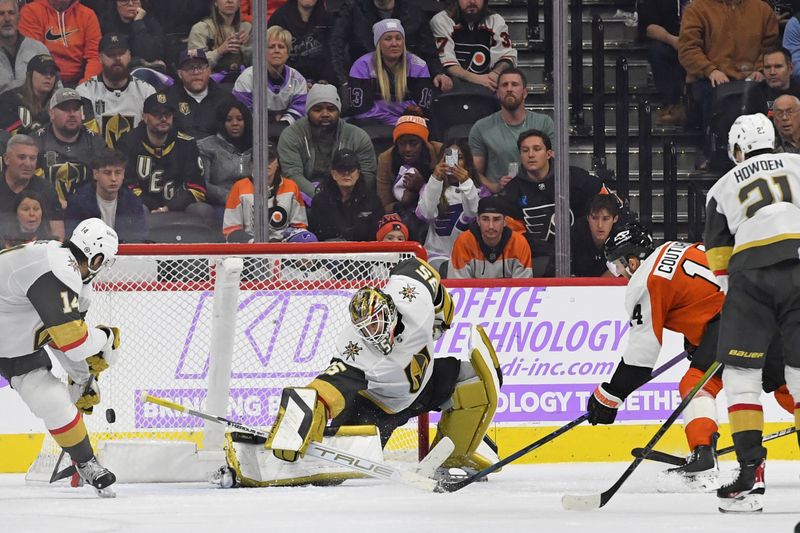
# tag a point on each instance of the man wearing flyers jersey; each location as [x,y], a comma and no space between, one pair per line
[669,287]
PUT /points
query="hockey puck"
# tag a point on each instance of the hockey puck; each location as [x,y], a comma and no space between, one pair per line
[111,416]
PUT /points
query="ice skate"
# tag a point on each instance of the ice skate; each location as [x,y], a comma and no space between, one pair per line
[98,477]
[745,493]
[699,474]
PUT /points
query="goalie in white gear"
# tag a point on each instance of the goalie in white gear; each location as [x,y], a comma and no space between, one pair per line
[43,301]
[385,373]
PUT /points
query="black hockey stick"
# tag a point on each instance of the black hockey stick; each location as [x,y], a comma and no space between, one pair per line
[670,459]
[585,502]
[453,486]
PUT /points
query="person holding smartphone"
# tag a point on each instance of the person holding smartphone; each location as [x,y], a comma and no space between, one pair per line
[448,202]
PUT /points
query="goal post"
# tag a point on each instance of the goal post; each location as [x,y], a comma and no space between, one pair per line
[221,328]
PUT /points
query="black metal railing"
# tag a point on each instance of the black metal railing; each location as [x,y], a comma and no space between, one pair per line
[598,97]
[670,183]
[696,208]
[622,124]
[645,165]
[576,68]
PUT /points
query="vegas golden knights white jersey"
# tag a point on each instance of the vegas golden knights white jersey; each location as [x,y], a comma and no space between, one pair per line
[41,298]
[753,214]
[116,111]
[393,381]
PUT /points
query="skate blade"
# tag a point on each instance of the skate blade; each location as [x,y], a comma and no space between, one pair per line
[752,503]
[673,482]
[106,493]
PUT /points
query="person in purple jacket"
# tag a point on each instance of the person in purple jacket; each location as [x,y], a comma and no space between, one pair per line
[384,82]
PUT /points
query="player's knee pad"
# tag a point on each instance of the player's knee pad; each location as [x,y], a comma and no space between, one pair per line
[46,396]
[474,403]
[742,385]
[255,466]
[700,416]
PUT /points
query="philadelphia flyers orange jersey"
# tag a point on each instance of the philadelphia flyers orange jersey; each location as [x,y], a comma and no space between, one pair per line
[672,289]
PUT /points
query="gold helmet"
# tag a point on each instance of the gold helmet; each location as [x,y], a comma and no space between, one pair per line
[374,316]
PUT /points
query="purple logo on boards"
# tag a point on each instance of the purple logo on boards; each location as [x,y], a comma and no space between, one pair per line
[3,383]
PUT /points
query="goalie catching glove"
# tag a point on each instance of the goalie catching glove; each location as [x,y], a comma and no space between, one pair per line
[301,419]
[84,395]
[603,405]
[108,355]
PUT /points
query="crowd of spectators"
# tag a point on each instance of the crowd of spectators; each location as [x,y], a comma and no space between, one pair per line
[140,112]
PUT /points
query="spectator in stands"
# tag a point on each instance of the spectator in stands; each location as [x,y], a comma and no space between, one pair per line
[24,109]
[309,23]
[448,202]
[778,75]
[196,96]
[286,87]
[474,45]
[164,165]
[391,229]
[660,22]
[225,39]
[178,16]
[531,195]
[16,49]
[345,209]
[132,19]
[116,97]
[19,163]
[70,31]
[306,147]
[287,211]
[66,147]
[723,40]
[31,223]
[227,156]
[4,137]
[786,117]
[351,36]
[404,168]
[386,81]
[589,236]
[493,139]
[489,249]
[106,198]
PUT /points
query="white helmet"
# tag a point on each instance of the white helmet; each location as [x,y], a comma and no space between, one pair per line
[93,237]
[750,133]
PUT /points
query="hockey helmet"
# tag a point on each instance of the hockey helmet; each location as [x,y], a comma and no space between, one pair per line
[631,240]
[94,238]
[750,133]
[374,316]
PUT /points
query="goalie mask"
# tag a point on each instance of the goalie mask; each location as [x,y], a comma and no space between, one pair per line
[95,239]
[374,316]
[631,240]
[750,133]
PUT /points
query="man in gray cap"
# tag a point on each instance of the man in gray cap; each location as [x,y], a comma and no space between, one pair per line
[66,147]
[306,148]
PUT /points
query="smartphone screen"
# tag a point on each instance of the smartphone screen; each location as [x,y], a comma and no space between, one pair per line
[513,168]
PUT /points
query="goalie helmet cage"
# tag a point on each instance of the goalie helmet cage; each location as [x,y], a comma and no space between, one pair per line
[269,314]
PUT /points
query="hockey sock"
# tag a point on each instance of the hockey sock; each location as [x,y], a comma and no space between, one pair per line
[784,398]
[74,439]
[747,426]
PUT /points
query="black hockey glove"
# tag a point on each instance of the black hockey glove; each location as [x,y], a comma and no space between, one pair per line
[602,406]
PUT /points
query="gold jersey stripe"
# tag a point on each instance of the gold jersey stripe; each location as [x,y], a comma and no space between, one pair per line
[330,396]
[68,335]
[765,242]
[719,257]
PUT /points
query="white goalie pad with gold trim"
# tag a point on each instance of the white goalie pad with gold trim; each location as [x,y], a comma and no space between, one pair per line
[256,466]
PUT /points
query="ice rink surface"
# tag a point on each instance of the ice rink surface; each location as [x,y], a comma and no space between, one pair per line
[525,498]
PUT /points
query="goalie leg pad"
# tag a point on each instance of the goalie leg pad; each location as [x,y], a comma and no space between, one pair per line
[301,419]
[255,466]
[474,403]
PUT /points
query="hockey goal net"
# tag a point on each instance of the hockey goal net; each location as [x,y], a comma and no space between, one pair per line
[197,332]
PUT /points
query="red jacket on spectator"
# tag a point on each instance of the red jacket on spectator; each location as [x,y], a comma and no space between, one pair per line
[247,12]
[72,37]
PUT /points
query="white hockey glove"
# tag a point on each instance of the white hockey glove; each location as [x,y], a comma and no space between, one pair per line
[301,419]
[722,281]
[439,327]
[84,395]
[108,355]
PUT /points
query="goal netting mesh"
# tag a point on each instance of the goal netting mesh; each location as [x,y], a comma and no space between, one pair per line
[182,342]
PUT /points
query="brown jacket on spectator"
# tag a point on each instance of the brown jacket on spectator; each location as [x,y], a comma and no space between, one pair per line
[386,175]
[725,35]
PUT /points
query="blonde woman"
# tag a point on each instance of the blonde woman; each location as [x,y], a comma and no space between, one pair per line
[225,38]
[384,82]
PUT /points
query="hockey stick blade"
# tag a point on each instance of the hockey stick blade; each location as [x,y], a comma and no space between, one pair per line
[67,472]
[581,502]
[595,501]
[317,450]
[436,456]
[670,459]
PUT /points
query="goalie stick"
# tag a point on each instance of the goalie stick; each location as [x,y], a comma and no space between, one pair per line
[670,459]
[317,450]
[586,502]
[453,486]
